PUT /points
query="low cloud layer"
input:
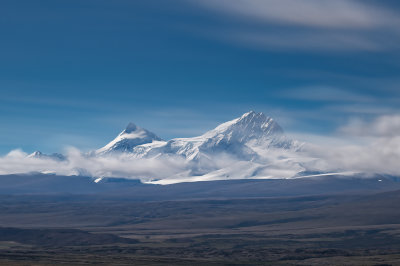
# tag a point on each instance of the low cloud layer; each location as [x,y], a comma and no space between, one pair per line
[77,163]
[373,147]
[379,157]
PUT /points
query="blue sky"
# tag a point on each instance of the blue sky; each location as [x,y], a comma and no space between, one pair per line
[74,73]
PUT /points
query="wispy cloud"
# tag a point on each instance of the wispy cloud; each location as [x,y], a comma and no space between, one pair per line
[364,109]
[307,24]
[384,126]
[326,93]
[315,13]
[304,40]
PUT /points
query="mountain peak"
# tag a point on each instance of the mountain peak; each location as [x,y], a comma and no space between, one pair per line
[129,138]
[250,114]
[35,154]
[257,122]
[253,117]
[251,126]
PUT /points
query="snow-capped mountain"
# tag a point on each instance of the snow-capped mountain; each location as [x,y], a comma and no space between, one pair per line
[235,137]
[250,146]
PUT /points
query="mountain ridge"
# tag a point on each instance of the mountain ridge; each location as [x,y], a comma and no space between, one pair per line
[233,137]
